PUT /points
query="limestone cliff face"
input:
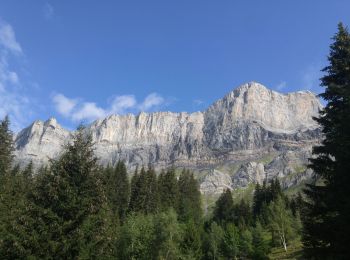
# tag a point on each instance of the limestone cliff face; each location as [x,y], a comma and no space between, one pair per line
[247,123]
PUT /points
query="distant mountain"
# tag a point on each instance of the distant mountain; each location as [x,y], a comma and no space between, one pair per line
[251,134]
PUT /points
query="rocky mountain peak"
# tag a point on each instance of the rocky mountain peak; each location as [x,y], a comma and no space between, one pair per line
[247,123]
[273,110]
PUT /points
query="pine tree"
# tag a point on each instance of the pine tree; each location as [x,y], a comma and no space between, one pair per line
[243,214]
[189,206]
[144,192]
[261,245]
[118,189]
[230,242]
[213,242]
[168,189]
[12,199]
[245,243]
[135,186]
[191,245]
[66,206]
[223,211]
[6,146]
[326,225]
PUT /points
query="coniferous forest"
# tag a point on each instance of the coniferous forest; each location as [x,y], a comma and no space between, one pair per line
[74,208]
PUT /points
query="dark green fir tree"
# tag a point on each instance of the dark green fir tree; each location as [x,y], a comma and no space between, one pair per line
[326,224]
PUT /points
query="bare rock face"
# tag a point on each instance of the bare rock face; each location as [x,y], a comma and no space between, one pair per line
[250,172]
[216,182]
[247,123]
[40,141]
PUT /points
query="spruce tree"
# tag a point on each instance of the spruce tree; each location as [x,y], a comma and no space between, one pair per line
[119,189]
[326,224]
[189,206]
[12,199]
[168,189]
[6,146]
[230,242]
[144,192]
[223,211]
[68,205]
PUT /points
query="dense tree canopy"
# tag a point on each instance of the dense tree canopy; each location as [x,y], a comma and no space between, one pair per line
[327,229]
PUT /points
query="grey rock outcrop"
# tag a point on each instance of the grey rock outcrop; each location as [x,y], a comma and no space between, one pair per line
[251,172]
[216,182]
[247,123]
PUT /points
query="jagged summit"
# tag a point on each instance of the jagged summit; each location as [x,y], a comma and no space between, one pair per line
[249,121]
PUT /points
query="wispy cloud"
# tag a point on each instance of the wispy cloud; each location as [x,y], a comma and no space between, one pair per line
[78,110]
[280,86]
[48,11]
[121,104]
[8,39]
[198,102]
[63,104]
[152,100]
[88,111]
[13,101]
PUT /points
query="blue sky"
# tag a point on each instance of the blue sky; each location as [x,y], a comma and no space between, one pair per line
[80,60]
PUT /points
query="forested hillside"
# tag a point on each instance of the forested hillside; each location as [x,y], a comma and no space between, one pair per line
[74,208]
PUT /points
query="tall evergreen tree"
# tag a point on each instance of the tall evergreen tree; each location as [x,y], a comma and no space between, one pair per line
[326,225]
[144,192]
[168,189]
[12,198]
[189,206]
[68,206]
[119,189]
[223,211]
[6,146]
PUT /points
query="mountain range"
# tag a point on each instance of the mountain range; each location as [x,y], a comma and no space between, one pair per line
[251,134]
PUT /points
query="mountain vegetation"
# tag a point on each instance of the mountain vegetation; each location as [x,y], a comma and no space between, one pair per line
[75,209]
[327,229]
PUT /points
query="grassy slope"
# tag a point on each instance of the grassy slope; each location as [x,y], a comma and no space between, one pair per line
[294,252]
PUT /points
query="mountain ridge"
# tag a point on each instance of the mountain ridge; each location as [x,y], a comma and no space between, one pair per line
[247,123]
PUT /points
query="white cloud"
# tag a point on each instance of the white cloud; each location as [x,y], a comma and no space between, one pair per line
[198,102]
[121,103]
[13,100]
[88,111]
[48,11]
[152,100]
[282,85]
[77,110]
[63,104]
[8,38]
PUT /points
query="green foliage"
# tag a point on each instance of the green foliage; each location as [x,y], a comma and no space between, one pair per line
[189,206]
[6,146]
[137,238]
[168,235]
[230,242]
[64,203]
[326,227]
[214,241]
[144,192]
[168,190]
[282,223]
[223,211]
[246,243]
[74,209]
[261,245]
[191,245]
[118,189]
